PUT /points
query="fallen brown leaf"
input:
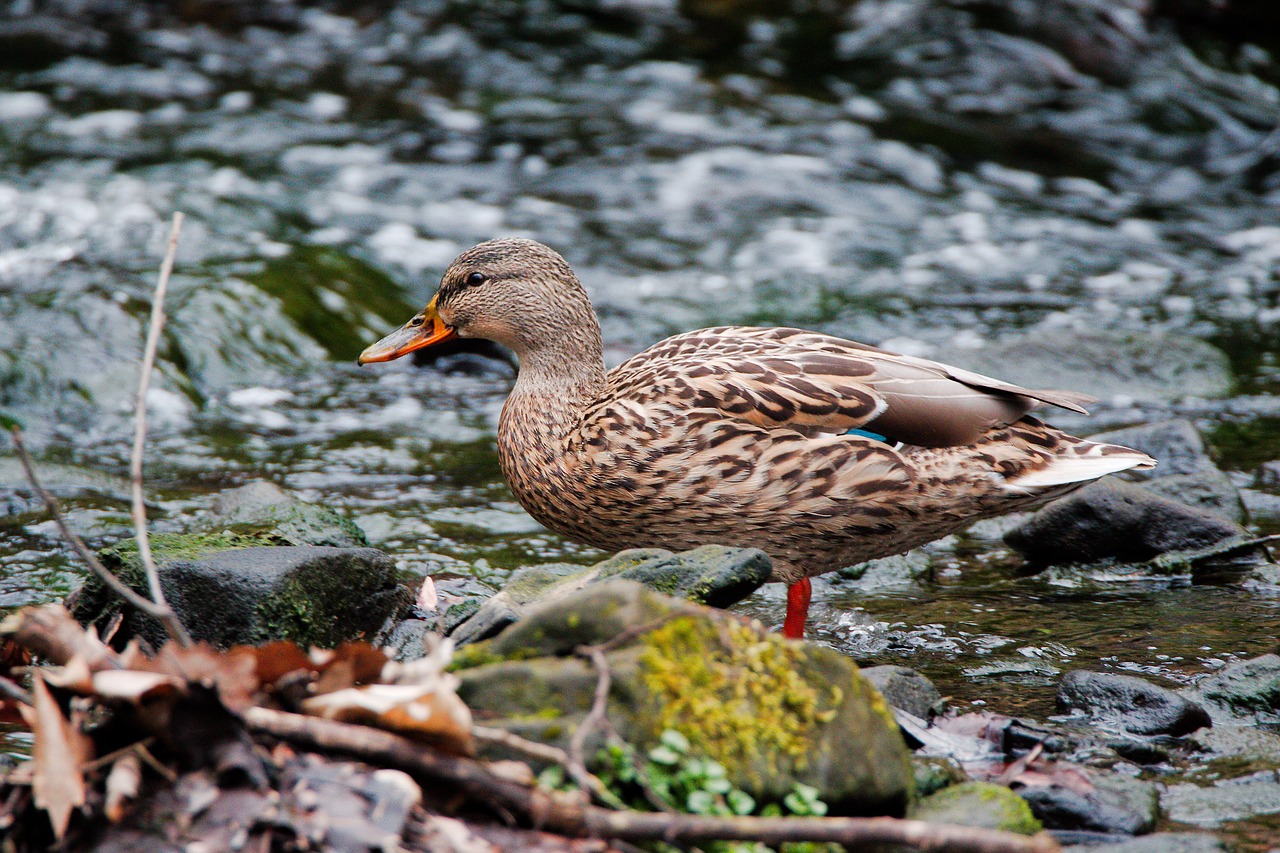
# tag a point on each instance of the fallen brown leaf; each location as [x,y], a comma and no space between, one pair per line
[59,754]
[123,783]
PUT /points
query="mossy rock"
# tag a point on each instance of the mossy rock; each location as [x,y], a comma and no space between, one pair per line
[979,804]
[227,590]
[715,575]
[265,511]
[774,712]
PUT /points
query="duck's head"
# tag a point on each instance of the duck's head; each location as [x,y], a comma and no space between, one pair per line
[513,291]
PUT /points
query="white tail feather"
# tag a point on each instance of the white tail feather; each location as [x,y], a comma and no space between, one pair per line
[1079,469]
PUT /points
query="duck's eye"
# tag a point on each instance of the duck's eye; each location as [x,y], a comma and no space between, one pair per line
[416,321]
[477,278]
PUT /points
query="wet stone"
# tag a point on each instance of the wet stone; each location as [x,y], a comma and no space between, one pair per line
[1229,800]
[263,507]
[1163,842]
[1109,804]
[714,575]
[1130,703]
[1246,691]
[1114,519]
[906,689]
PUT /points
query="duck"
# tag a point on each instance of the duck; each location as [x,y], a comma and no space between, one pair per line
[822,452]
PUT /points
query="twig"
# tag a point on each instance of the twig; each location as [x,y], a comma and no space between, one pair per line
[11,690]
[566,815]
[577,765]
[551,755]
[140,424]
[160,612]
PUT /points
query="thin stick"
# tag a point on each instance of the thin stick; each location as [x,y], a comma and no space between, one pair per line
[140,416]
[10,690]
[570,817]
[598,714]
[159,612]
[550,754]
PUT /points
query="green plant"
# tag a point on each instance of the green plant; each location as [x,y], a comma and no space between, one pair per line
[691,784]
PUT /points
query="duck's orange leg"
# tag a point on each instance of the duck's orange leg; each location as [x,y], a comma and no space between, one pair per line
[798,595]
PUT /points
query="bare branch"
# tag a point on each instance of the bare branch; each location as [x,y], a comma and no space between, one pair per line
[598,714]
[162,613]
[140,419]
[551,755]
[569,816]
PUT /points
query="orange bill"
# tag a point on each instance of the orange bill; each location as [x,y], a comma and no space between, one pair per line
[422,331]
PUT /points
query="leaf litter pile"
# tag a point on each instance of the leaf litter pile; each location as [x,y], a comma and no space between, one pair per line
[110,725]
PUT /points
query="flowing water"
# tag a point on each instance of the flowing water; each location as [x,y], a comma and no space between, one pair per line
[952,180]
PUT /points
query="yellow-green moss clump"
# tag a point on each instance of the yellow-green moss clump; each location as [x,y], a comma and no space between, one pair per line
[741,697]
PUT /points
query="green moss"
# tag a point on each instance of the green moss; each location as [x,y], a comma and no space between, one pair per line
[123,556]
[979,804]
[742,697]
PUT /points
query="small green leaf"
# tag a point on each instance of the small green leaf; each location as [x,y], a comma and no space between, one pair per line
[740,802]
[701,802]
[673,740]
[664,755]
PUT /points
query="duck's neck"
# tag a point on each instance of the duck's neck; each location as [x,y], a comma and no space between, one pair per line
[557,381]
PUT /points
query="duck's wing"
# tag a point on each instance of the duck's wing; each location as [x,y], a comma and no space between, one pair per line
[814,382]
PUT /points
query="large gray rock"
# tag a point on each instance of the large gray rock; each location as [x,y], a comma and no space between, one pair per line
[1129,703]
[313,595]
[1186,471]
[906,689]
[714,575]
[1114,519]
[772,711]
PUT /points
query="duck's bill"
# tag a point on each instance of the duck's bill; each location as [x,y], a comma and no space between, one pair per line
[422,331]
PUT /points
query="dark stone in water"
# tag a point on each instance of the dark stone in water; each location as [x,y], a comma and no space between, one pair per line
[714,575]
[1249,690]
[1114,805]
[1114,519]
[1130,703]
[904,688]
[228,595]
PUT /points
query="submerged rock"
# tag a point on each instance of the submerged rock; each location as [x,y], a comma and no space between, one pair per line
[773,712]
[714,575]
[1130,703]
[264,509]
[1248,691]
[980,804]
[1114,519]
[228,590]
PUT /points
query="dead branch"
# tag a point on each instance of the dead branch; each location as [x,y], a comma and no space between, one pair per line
[11,690]
[551,755]
[159,612]
[566,815]
[140,430]
[577,765]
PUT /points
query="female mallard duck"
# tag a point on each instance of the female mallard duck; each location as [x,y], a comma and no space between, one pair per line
[742,435]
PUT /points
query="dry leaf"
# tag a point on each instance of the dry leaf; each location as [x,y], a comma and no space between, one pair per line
[123,783]
[349,665]
[425,712]
[232,672]
[126,685]
[59,754]
[73,676]
[427,600]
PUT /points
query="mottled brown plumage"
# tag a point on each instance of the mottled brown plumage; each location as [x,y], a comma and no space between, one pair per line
[738,435]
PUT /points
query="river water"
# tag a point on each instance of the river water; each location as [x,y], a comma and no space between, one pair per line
[1094,182]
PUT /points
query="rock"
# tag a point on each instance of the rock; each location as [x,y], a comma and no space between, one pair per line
[933,773]
[979,804]
[1164,842]
[903,687]
[714,575]
[1245,691]
[263,508]
[1229,800]
[1113,804]
[1114,519]
[1130,703]
[228,594]
[772,711]
[1186,473]
[1132,364]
